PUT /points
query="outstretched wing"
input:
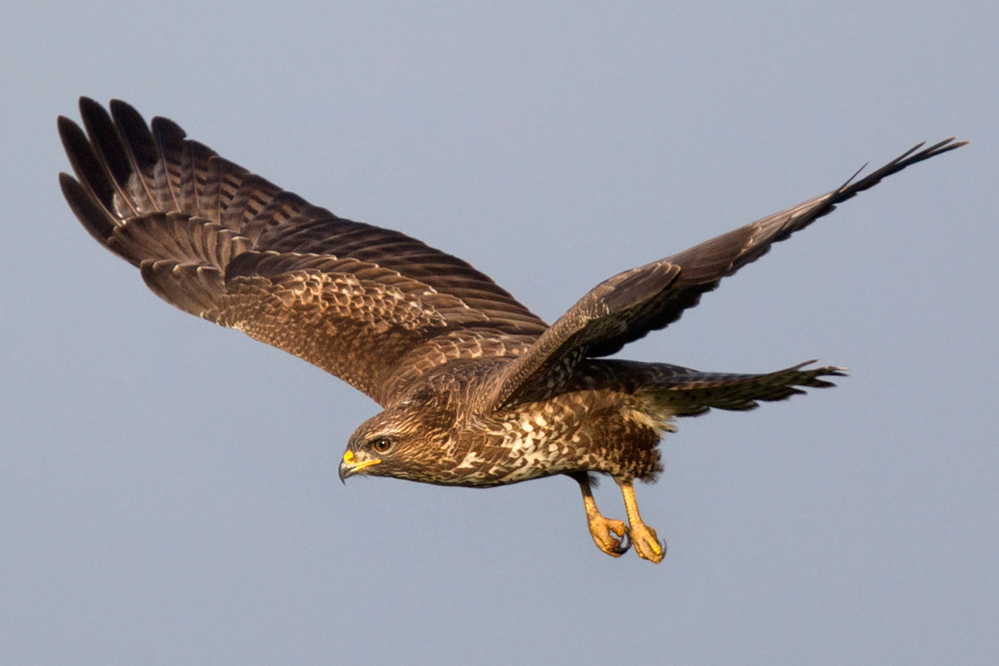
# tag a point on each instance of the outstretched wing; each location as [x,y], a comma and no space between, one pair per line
[629,305]
[369,305]
[688,392]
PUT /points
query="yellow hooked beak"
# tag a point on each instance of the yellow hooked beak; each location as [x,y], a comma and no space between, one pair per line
[349,466]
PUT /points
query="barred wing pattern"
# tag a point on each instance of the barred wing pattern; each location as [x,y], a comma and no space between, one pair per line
[369,305]
[688,392]
[630,305]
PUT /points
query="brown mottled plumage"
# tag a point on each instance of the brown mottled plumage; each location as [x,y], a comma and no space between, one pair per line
[477,390]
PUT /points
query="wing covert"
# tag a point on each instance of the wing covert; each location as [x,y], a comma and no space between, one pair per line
[227,245]
[628,306]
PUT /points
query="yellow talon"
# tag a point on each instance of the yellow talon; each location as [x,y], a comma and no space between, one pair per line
[642,536]
[611,536]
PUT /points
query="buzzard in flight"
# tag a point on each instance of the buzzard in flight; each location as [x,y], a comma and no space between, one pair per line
[477,390]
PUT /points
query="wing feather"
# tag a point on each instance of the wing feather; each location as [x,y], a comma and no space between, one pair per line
[703,266]
[630,305]
[222,243]
[687,392]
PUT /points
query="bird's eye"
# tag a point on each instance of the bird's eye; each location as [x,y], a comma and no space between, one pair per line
[381,445]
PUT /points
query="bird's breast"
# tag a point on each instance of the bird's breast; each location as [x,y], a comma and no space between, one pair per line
[568,434]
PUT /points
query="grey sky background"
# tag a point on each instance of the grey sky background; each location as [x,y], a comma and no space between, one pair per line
[168,490]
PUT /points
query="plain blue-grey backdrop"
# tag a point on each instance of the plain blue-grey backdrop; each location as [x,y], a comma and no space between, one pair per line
[168,490]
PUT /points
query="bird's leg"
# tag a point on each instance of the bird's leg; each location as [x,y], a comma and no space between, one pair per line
[611,536]
[647,544]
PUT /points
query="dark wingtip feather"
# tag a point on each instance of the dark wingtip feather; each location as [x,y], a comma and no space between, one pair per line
[811,377]
[107,144]
[912,156]
[166,130]
[92,216]
[85,162]
[136,133]
[947,144]
[89,107]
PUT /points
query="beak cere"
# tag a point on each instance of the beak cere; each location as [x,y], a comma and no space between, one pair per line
[349,465]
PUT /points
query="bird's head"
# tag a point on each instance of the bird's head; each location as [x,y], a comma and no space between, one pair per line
[405,442]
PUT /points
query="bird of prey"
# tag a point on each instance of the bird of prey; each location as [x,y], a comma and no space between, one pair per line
[477,390]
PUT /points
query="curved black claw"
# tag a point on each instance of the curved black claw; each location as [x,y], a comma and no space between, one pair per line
[647,543]
[624,545]
[611,536]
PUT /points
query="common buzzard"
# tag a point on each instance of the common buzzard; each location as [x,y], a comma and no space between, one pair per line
[477,390]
